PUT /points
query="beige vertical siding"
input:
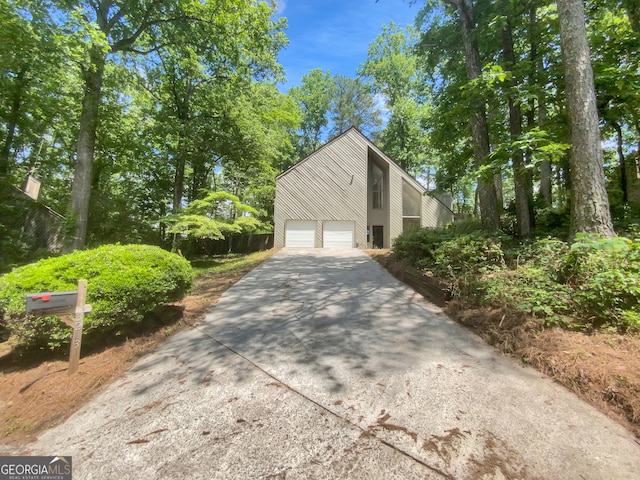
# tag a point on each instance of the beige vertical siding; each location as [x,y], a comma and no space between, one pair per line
[395,202]
[330,184]
[333,184]
[435,213]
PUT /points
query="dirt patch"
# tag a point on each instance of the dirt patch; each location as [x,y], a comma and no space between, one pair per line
[601,368]
[36,393]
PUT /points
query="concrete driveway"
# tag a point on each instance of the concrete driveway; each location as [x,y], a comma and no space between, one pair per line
[318,364]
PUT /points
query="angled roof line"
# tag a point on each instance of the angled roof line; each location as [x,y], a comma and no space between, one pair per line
[407,174]
[22,194]
[372,145]
[321,147]
[388,159]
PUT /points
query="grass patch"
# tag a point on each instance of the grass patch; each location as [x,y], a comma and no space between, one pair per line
[230,263]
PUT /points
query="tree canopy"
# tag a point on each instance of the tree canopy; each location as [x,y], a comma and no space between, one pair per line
[511,67]
[128,112]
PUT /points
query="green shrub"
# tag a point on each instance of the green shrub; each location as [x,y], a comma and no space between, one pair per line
[604,275]
[532,290]
[546,253]
[458,254]
[420,244]
[471,253]
[553,221]
[593,283]
[125,282]
[531,285]
[463,260]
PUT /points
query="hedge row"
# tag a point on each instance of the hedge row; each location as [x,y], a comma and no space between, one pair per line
[125,282]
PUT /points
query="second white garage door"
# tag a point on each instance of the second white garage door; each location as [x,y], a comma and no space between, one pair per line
[337,234]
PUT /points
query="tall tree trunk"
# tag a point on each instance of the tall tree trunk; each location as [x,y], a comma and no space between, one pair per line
[546,190]
[622,162]
[633,12]
[499,186]
[528,159]
[178,180]
[161,226]
[476,202]
[589,201]
[182,106]
[14,115]
[194,184]
[563,182]
[537,79]
[487,196]
[81,190]
[520,176]
[637,154]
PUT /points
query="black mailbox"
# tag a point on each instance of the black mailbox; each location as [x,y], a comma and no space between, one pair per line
[51,302]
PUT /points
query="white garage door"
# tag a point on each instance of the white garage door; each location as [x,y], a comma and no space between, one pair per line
[337,234]
[300,233]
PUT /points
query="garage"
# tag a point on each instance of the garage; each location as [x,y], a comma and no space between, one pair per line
[337,234]
[300,233]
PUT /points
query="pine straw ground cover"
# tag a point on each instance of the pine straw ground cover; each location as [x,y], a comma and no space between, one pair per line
[601,368]
[36,393]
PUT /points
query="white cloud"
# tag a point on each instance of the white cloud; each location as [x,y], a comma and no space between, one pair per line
[381,104]
[281,5]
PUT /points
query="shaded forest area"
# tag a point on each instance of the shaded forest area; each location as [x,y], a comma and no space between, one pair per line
[157,122]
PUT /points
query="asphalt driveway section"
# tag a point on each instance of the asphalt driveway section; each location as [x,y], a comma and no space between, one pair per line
[336,327]
[319,364]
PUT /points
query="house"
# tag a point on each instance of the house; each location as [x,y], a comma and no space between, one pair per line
[37,226]
[348,193]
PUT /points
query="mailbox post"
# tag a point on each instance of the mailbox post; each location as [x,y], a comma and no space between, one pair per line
[76,338]
[62,304]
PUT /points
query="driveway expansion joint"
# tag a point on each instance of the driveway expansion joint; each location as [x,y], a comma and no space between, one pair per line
[368,432]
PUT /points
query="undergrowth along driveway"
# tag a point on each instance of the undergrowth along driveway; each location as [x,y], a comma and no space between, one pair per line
[601,368]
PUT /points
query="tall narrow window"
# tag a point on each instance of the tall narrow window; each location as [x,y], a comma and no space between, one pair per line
[377,189]
[411,200]
[411,207]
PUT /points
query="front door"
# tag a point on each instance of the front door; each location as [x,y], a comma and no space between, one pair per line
[378,236]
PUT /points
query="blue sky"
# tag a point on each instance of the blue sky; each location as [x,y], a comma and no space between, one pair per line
[334,34]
